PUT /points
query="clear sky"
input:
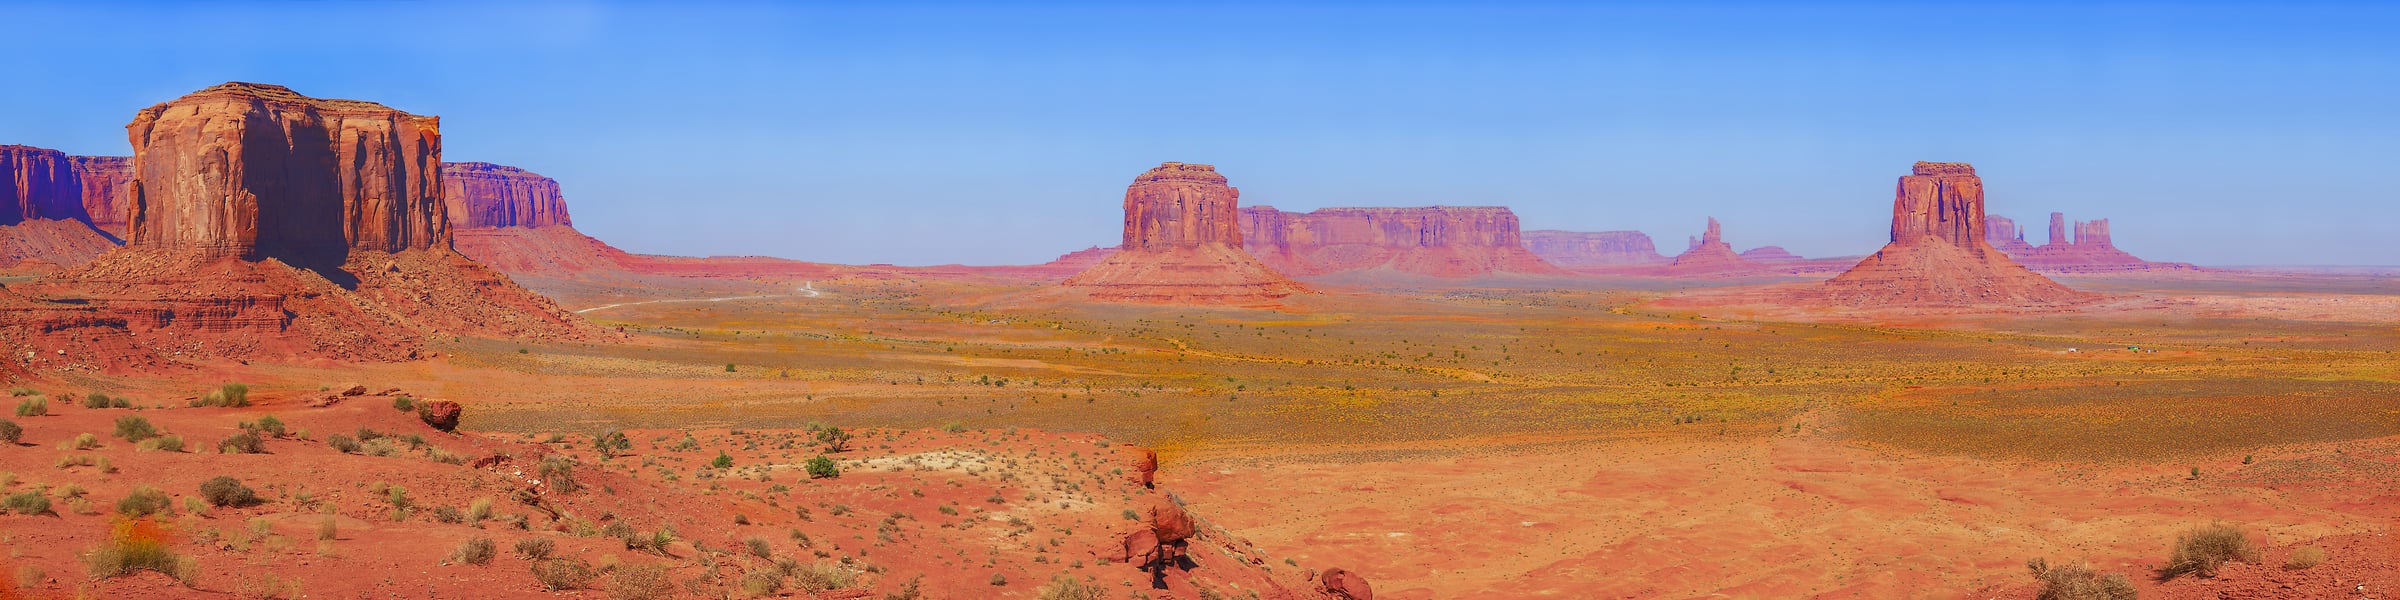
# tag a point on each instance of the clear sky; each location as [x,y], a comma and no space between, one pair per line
[923,133]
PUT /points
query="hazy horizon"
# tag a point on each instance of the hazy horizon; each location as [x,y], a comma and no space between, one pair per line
[930,133]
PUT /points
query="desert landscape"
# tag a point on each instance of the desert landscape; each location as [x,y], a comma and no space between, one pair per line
[279,345]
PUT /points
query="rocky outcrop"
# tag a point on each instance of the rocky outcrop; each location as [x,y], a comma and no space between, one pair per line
[1442,241]
[441,414]
[1771,254]
[1938,256]
[255,171]
[106,181]
[1182,244]
[1342,584]
[482,194]
[1710,255]
[2090,250]
[43,222]
[1592,249]
[2003,233]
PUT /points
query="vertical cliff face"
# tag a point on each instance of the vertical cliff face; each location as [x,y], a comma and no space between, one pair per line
[1591,249]
[1183,244]
[2004,234]
[105,180]
[258,171]
[1938,255]
[483,194]
[1443,241]
[1179,205]
[38,183]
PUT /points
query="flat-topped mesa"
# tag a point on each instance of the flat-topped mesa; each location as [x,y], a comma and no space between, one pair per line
[38,183]
[483,195]
[1178,205]
[1938,256]
[257,171]
[106,180]
[1595,248]
[1183,244]
[1443,241]
[2004,234]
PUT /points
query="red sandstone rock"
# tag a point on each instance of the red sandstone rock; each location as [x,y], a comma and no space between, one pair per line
[257,171]
[1938,256]
[1144,465]
[441,414]
[1710,255]
[1142,550]
[483,194]
[43,223]
[1442,241]
[1182,245]
[2004,234]
[1771,254]
[1345,585]
[106,181]
[1168,520]
[2090,250]
[1590,249]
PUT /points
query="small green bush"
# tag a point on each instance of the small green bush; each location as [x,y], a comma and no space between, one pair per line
[143,502]
[82,441]
[267,425]
[2201,550]
[27,502]
[33,407]
[535,548]
[344,443]
[2078,582]
[476,551]
[96,400]
[723,461]
[242,443]
[227,491]
[404,403]
[823,468]
[954,427]
[164,443]
[232,395]
[11,432]
[558,473]
[135,429]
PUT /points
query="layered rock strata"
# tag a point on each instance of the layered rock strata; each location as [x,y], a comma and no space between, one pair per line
[1442,241]
[1593,249]
[1938,255]
[44,224]
[1182,244]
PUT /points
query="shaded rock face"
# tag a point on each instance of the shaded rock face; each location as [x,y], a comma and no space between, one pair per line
[1345,585]
[483,194]
[38,183]
[1443,241]
[1939,256]
[258,171]
[1588,249]
[106,183]
[2090,250]
[1711,255]
[1182,245]
[1181,205]
[2004,234]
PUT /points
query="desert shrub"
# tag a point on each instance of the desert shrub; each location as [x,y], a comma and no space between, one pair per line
[242,443]
[164,443]
[954,427]
[476,551]
[344,443]
[611,443]
[1067,587]
[759,547]
[11,432]
[138,545]
[647,581]
[822,577]
[722,461]
[229,395]
[96,400]
[999,579]
[761,582]
[21,391]
[2305,557]
[27,502]
[535,548]
[135,429]
[563,573]
[328,529]
[2078,582]
[823,468]
[2201,550]
[268,425]
[558,472]
[479,509]
[33,407]
[144,501]
[82,441]
[835,440]
[227,491]
[403,403]
[448,514]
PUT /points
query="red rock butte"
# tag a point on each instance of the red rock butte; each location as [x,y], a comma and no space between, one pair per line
[481,194]
[1442,241]
[47,209]
[1182,244]
[2091,250]
[1710,255]
[1593,249]
[1938,256]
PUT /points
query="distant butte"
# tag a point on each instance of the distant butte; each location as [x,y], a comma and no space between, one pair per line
[1593,249]
[1182,244]
[1938,256]
[45,223]
[1710,255]
[1441,241]
[2090,250]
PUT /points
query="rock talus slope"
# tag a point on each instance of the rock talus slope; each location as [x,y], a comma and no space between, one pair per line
[1938,255]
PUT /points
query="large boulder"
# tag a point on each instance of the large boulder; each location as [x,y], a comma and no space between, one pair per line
[1345,585]
[441,414]
[1168,520]
[1143,465]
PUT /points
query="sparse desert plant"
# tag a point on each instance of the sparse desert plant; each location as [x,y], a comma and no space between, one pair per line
[242,443]
[343,443]
[448,514]
[267,586]
[27,502]
[913,590]
[227,491]
[761,582]
[954,427]
[135,429]
[143,502]
[759,547]
[33,407]
[999,579]
[96,400]
[476,551]
[2078,582]
[822,577]
[1067,587]
[558,473]
[404,403]
[328,529]
[479,509]
[612,443]
[646,581]
[233,395]
[535,548]
[164,443]
[722,461]
[138,545]
[11,432]
[823,468]
[836,441]
[81,441]
[268,425]
[2305,557]
[563,573]
[2201,550]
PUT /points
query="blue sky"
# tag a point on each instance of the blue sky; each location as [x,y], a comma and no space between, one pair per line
[922,133]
